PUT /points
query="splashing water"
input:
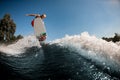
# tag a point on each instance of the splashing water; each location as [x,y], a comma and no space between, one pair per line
[97,49]
[77,54]
[94,46]
[20,46]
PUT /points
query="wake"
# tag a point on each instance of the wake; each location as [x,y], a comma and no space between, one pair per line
[96,49]
[20,46]
[88,46]
[103,56]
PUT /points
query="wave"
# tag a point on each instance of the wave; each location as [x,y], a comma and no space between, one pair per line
[84,41]
[77,50]
[20,46]
[95,47]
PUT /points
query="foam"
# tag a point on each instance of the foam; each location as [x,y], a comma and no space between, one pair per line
[20,46]
[96,48]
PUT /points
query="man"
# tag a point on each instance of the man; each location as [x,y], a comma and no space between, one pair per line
[39,27]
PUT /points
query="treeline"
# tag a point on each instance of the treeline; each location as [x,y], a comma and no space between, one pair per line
[116,38]
[7,29]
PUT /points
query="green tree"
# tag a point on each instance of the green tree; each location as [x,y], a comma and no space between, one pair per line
[116,38]
[19,37]
[12,29]
[7,28]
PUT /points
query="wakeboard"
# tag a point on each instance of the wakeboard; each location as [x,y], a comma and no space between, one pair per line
[39,29]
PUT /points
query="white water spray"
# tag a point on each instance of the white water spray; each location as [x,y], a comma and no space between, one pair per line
[20,46]
[97,49]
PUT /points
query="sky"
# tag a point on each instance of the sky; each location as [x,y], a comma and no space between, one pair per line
[72,17]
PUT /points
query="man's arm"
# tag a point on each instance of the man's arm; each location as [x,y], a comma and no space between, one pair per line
[32,15]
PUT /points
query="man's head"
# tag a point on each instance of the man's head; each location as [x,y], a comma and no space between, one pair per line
[43,16]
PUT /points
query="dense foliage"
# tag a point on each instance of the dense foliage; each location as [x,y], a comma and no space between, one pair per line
[7,29]
[116,38]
